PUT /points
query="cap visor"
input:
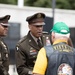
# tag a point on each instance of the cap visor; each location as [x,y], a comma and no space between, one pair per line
[39,23]
[4,24]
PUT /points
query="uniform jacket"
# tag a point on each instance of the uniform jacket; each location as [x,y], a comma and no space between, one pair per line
[61,59]
[26,52]
[4,58]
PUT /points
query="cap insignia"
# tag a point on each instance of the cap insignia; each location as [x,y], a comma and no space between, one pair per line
[39,15]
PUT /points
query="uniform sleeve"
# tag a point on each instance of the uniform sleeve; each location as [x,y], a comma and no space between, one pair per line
[22,69]
[5,60]
[41,62]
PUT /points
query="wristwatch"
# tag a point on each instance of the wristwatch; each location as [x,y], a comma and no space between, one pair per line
[30,72]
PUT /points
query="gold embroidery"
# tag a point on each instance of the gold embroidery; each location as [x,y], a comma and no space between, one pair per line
[63,48]
[39,15]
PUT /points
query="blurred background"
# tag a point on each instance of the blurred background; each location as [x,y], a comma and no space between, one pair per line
[55,10]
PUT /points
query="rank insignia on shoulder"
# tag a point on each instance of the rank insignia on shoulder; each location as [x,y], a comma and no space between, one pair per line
[47,41]
[17,48]
[7,55]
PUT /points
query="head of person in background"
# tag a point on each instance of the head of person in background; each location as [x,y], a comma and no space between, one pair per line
[4,25]
[61,31]
[36,23]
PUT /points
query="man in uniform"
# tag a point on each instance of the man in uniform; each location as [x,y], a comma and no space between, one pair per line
[59,58]
[28,47]
[4,52]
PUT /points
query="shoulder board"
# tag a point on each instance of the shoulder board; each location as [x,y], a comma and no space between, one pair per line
[22,39]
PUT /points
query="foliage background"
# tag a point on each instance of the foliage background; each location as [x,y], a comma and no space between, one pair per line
[61,4]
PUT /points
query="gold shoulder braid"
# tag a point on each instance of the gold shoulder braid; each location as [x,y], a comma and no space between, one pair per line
[63,48]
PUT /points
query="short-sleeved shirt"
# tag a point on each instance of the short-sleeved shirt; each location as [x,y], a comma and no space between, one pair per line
[41,61]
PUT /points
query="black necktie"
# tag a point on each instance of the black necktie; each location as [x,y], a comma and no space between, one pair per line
[39,43]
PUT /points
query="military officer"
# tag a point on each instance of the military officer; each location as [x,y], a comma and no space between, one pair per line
[28,47]
[4,52]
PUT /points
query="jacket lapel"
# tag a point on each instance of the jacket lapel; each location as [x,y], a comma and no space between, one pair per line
[32,43]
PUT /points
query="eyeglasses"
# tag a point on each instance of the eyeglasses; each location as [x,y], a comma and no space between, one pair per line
[38,26]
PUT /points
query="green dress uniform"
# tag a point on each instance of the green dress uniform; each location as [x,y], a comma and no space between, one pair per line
[4,52]
[4,58]
[26,53]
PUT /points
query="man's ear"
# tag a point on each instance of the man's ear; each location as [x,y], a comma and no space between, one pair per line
[29,27]
[53,35]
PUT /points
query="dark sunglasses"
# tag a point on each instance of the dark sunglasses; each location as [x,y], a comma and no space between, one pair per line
[38,26]
[4,26]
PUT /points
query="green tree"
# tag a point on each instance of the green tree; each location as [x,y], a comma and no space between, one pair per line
[29,2]
[72,3]
[8,2]
[43,3]
[38,3]
[62,4]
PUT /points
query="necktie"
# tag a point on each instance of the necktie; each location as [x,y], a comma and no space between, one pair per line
[39,43]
